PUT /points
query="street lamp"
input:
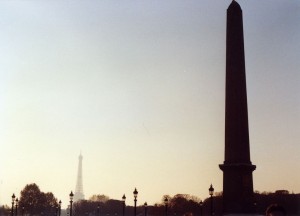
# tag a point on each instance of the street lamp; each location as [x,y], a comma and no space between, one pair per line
[68,210]
[146,205]
[135,193]
[166,206]
[59,207]
[12,204]
[17,202]
[98,210]
[71,202]
[56,209]
[123,200]
[201,204]
[23,210]
[211,193]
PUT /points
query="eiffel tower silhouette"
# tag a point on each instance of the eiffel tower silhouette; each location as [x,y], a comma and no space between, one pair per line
[79,186]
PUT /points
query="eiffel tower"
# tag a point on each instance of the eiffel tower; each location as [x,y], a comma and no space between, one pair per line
[79,186]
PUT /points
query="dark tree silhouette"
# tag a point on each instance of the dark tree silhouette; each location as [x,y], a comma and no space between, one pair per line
[36,202]
[99,198]
[5,210]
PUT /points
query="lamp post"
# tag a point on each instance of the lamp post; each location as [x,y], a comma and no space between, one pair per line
[98,210]
[166,206]
[17,202]
[12,204]
[255,207]
[123,200]
[146,208]
[68,210]
[201,204]
[211,193]
[56,209]
[135,193]
[71,202]
[23,210]
[59,207]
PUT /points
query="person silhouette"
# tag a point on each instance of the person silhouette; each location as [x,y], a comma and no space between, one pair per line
[275,210]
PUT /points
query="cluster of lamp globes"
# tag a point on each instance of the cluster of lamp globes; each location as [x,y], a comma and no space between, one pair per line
[135,194]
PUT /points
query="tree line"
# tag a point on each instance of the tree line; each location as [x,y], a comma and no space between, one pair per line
[34,202]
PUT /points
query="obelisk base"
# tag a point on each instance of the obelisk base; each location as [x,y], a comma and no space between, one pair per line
[238,188]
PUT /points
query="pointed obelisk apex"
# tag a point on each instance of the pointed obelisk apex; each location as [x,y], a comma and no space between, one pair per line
[237,168]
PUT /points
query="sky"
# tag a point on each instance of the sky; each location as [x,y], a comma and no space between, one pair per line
[138,88]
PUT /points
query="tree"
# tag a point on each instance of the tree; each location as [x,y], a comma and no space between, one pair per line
[180,204]
[49,203]
[100,204]
[5,210]
[36,202]
[83,207]
[168,197]
[99,198]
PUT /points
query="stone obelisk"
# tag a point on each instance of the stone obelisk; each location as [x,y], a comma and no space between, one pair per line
[237,168]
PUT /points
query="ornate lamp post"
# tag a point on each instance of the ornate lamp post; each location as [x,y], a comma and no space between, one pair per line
[146,208]
[123,200]
[201,205]
[135,193]
[211,193]
[59,207]
[12,204]
[17,203]
[166,206]
[71,202]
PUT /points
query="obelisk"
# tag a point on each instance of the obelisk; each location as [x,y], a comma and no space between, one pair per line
[237,168]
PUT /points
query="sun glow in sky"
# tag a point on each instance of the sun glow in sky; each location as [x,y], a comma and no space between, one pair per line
[138,88]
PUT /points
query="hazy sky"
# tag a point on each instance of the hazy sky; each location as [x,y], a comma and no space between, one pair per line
[138,87]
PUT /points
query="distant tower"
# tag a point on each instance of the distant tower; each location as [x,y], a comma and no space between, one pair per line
[237,168]
[79,187]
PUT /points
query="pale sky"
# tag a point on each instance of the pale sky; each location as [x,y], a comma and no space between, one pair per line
[138,88]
